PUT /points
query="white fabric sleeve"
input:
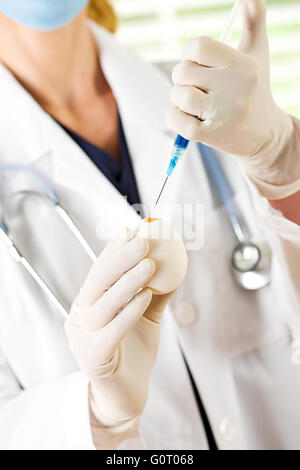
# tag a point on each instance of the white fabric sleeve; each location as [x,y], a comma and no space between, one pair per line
[284,238]
[49,416]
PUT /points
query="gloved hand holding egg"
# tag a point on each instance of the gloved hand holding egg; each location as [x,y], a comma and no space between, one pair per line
[114,326]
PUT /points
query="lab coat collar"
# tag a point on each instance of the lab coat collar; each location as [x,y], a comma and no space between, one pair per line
[142,93]
[32,127]
[130,80]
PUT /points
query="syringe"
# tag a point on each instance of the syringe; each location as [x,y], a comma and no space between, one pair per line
[181,144]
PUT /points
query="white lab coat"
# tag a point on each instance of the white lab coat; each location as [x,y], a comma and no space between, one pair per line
[238,344]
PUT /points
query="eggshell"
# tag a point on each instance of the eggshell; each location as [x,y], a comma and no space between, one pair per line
[167,250]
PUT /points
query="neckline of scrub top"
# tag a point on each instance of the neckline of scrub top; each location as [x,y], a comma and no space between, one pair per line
[121,175]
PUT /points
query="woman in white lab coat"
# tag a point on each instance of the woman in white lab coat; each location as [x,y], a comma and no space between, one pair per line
[239,351]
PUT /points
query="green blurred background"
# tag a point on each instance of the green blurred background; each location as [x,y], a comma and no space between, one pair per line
[157,28]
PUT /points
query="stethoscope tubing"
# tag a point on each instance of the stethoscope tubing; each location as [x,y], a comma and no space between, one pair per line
[224,190]
[43,188]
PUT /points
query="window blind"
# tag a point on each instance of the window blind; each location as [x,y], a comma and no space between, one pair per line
[157,28]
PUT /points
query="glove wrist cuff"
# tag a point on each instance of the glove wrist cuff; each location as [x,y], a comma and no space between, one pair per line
[275,170]
[108,433]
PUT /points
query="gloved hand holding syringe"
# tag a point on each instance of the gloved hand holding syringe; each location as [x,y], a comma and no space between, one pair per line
[229,89]
[181,144]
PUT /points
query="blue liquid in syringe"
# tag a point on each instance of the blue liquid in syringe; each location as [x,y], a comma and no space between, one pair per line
[180,145]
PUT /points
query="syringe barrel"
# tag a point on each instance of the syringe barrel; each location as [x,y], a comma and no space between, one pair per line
[179,149]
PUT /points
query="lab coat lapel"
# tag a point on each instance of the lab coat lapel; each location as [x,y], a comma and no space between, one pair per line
[73,170]
[142,113]
[150,150]
[32,127]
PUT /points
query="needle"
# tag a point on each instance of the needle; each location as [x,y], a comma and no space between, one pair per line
[161,191]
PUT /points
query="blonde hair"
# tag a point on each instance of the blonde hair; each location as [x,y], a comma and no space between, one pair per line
[102,12]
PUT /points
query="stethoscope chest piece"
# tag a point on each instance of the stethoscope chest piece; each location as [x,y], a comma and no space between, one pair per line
[251,264]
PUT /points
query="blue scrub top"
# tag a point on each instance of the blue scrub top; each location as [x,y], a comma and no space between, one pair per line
[121,175]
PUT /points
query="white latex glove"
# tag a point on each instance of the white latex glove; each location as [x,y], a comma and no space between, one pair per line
[113,332]
[230,91]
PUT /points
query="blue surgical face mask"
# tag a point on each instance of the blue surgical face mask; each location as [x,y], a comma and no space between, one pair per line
[44,15]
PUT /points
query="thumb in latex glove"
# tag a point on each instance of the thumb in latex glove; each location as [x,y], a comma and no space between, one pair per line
[230,91]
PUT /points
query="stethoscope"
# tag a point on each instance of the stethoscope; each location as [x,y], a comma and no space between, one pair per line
[42,188]
[250,262]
